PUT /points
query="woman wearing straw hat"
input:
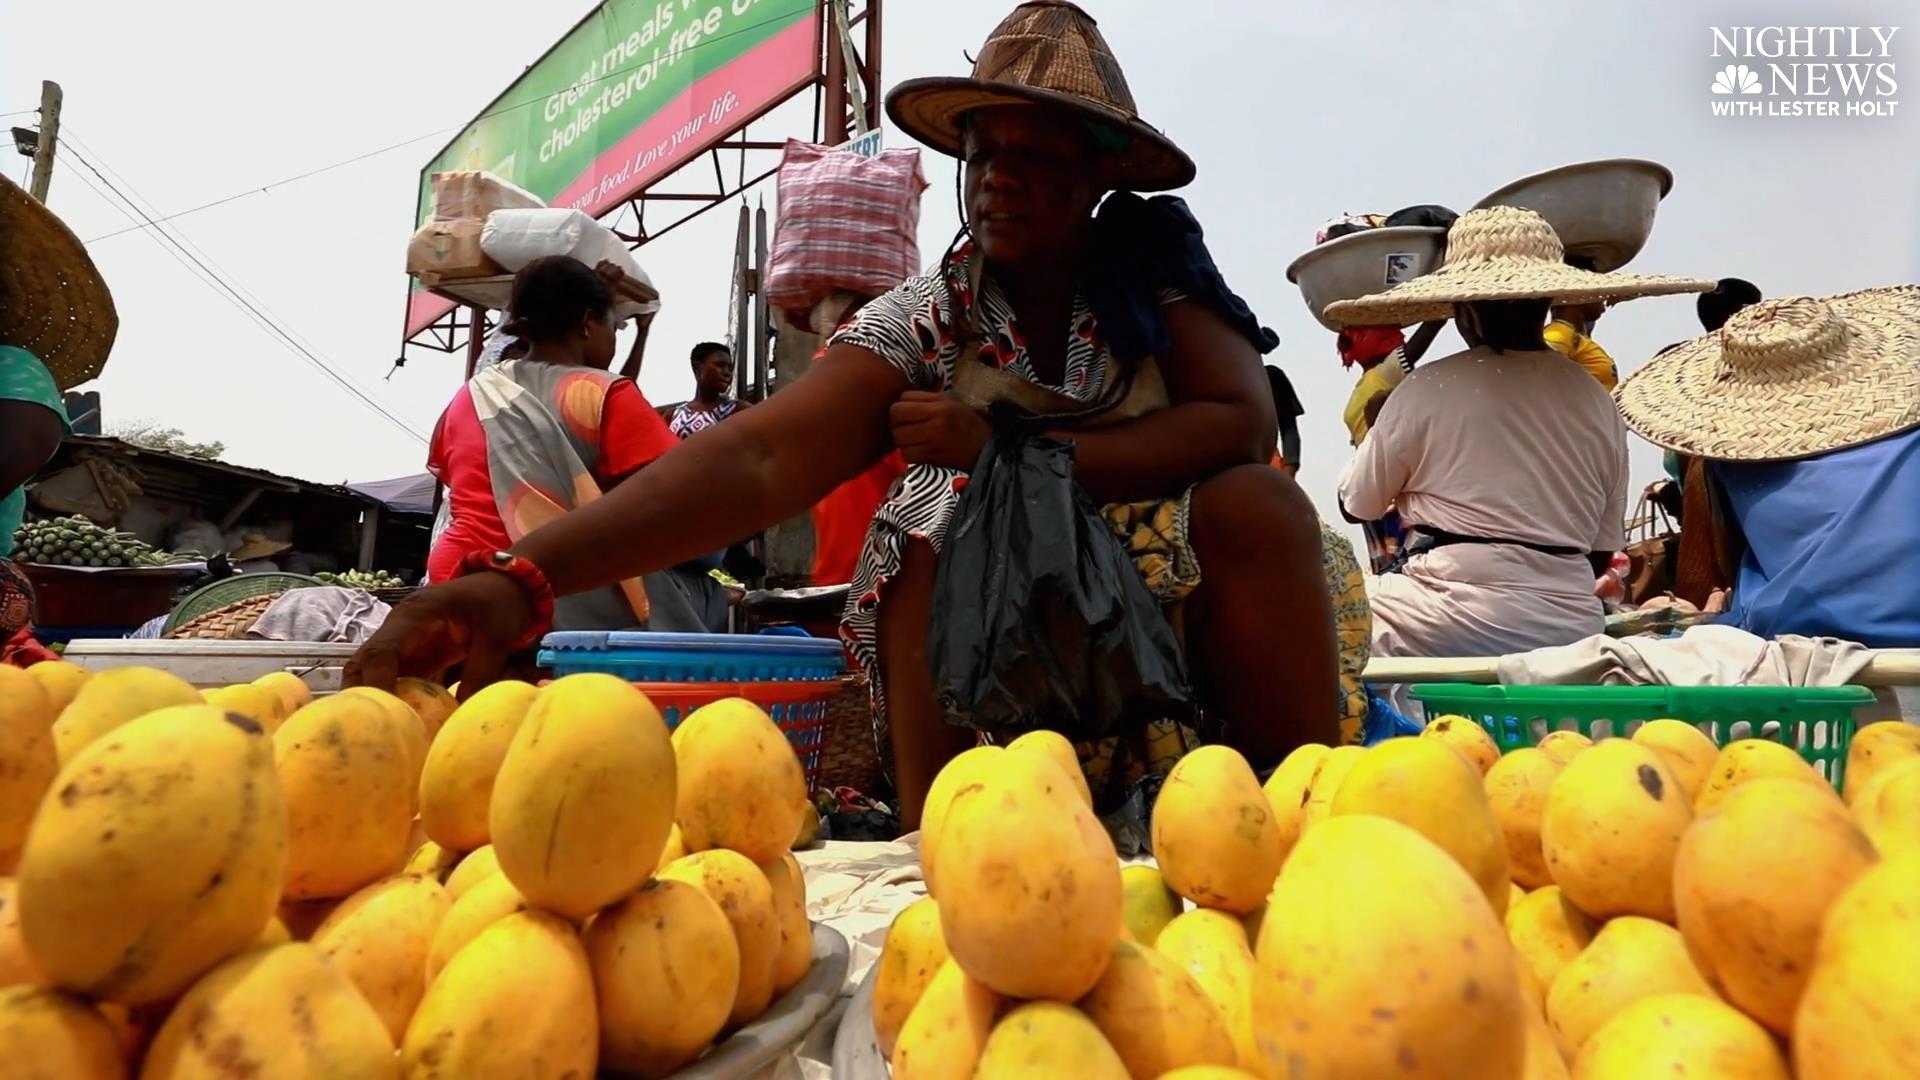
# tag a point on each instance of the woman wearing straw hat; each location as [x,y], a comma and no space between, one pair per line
[1807,412]
[1508,460]
[57,325]
[1043,305]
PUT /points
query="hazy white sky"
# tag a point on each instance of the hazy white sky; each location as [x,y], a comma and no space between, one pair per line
[1294,111]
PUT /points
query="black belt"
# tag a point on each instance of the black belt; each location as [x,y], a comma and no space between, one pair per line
[1439,538]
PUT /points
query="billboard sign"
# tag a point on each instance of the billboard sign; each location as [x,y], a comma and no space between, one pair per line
[635,90]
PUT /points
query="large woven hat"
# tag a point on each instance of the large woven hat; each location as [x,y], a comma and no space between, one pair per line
[1048,52]
[1500,253]
[1786,378]
[52,301]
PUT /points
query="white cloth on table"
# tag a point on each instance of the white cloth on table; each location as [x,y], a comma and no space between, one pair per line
[1517,446]
[324,613]
[1711,655]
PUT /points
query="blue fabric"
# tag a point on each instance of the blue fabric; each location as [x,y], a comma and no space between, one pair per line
[1141,247]
[1832,544]
[1385,722]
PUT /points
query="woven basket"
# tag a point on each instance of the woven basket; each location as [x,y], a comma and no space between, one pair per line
[229,623]
[395,594]
[850,757]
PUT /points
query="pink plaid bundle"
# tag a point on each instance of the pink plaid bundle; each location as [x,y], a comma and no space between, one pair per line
[847,223]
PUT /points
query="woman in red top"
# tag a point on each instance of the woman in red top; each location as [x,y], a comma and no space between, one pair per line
[530,438]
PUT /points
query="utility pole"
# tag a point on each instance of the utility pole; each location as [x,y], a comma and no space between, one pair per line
[49,137]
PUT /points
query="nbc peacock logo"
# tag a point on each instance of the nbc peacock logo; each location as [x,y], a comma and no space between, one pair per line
[1736,79]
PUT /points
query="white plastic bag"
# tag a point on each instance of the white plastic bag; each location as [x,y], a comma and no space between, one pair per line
[514,238]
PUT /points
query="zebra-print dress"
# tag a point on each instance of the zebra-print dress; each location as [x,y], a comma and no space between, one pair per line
[912,328]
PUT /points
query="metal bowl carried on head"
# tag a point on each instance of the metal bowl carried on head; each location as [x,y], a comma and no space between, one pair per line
[1603,210]
[1365,262]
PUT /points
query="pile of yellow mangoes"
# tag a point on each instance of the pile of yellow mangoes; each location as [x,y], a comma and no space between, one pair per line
[537,882]
[1427,907]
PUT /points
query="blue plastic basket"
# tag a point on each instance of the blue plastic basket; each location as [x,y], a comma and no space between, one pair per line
[664,658]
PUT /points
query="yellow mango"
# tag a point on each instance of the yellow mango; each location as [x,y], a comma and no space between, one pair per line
[963,770]
[1287,790]
[1856,1016]
[456,784]
[60,680]
[1055,745]
[913,952]
[1517,787]
[515,1004]
[408,728]
[1877,747]
[795,957]
[113,697]
[1889,808]
[1753,883]
[666,969]
[1466,736]
[745,895]
[291,689]
[1046,1038]
[1687,750]
[1631,958]
[1326,782]
[379,939]
[431,860]
[675,849]
[256,702]
[1611,830]
[1212,947]
[475,867]
[28,762]
[429,700]
[46,1035]
[1323,999]
[1214,833]
[279,1010]
[349,809]
[1680,1035]
[947,1031]
[1030,895]
[158,853]
[1543,1061]
[741,786]
[484,904]
[1149,904]
[16,967]
[585,795]
[1753,759]
[1548,932]
[1433,789]
[1564,745]
[1209,1072]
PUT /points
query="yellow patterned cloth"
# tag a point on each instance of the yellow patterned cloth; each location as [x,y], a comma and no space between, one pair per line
[1352,625]
[1155,535]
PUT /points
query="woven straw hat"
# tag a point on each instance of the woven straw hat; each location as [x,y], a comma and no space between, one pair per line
[52,301]
[1786,378]
[1047,52]
[257,546]
[1500,253]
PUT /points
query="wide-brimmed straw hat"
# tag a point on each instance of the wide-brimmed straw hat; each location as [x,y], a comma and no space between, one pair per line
[1500,253]
[257,546]
[1786,378]
[52,301]
[1048,53]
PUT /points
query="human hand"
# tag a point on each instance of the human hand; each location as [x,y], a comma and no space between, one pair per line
[478,618]
[938,429]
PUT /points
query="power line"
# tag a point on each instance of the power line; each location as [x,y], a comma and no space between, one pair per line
[233,295]
[502,111]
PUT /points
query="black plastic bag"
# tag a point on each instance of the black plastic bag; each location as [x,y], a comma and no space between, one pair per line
[1426,214]
[1039,618]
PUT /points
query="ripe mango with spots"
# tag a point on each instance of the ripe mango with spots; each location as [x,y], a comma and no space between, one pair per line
[408,728]
[256,702]
[279,1010]
[965,768]
[1686,749]
[1214,833]
[1326,783]
[475,867]
[1877,748]
[347,780]
[1753,759]
[1046,1038]
[1287,790]
[1889,809]
[746,896]
[795,956]
[1548,932]
[16,967]
[1680,1035]
[1612,828]
[1631,958]
[1564,745]
[291,689]
[1055,745]
[741,785]
[456,784]
[28,761]
[1469,738]
[1150,905]
[947,1031]
[1517,787]
[666,969]
[159,852]
[60,680]
[1428,786]
[48,1035]
[913,952]
[113,697]
[1409,974]
[1753,883]
[1856,1015]
[515,1004]
[379,939]
[429,700]
[1212,947]
[478,908]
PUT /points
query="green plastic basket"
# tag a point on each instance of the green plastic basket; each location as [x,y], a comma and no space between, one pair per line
[1815,721]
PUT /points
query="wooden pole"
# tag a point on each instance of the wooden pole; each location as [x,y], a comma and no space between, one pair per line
[762,342]
[742,314]
[476,337]
[50,98]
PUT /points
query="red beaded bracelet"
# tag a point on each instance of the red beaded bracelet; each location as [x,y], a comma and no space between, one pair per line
[530,577]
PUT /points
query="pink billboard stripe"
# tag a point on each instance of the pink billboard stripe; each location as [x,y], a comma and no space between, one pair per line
[755,79]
